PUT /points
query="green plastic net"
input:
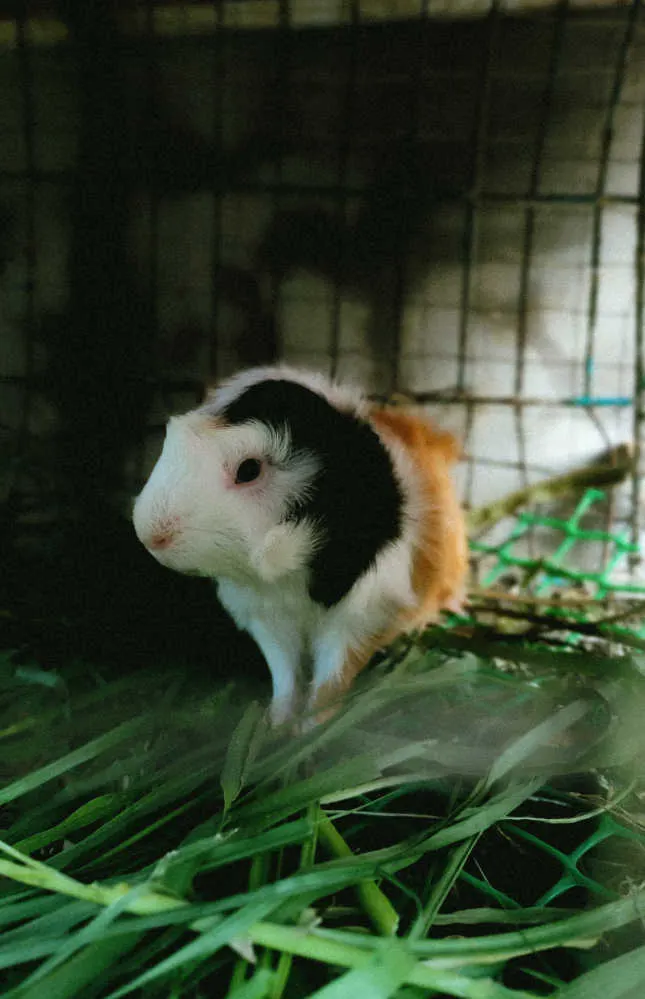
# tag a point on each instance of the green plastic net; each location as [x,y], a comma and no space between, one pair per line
[617,834]
[550,574]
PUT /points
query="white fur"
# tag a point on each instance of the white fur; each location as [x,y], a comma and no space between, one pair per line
[239,537]
[292,631]
[284,549]
[280,619]
[223,530]
[344,397]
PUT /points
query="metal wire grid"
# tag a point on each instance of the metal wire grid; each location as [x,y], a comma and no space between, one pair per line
[35,170]
[22,386]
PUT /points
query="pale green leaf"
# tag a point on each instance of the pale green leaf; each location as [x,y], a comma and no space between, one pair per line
[621,978]
[241,751]
[384,972]
[74,759]
[256,988]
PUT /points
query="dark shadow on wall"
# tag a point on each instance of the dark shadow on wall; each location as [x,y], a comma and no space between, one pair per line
[88,588]
[369,233]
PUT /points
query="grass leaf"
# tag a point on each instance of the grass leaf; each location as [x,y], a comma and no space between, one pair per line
[204,947]
[91,811]
[256,988]
[241,751]
[189,846]
[383,973]
[66,763]
[521,750]
[72,978]
[621,978]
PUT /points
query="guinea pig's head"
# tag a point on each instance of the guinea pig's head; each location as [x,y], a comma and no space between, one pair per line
[278,471]
[228,485]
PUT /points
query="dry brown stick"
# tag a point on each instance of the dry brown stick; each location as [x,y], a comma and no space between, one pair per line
[482,593]
[552,623]
[617,465]
[628,605]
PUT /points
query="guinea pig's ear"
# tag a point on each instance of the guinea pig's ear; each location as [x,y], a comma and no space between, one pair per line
[285,548]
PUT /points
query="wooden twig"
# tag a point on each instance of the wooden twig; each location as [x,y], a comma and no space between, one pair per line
[554,600]
[548,623]
[617,465]
[628,605]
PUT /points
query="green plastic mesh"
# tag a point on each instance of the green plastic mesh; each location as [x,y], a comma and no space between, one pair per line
[547,576]
[605,829]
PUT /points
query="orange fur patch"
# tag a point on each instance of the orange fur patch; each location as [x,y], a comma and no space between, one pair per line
[440,558]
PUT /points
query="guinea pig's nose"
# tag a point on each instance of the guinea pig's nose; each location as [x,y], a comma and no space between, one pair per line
[162,535]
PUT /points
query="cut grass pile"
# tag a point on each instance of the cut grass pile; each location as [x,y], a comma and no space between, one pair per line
[157,840]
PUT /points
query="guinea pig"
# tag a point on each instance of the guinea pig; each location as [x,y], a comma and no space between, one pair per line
[330,524]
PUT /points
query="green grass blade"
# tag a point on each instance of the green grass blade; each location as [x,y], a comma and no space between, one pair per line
[204,947]
[520,751]
[621,978]
[27,950]
[376,904]
[22,910]
[92,811]
[482,817]
[383,973]
[65,916]
[518,917]
[90,935]
[72,978]
[210,853]
[241,751]
[451,871]
[346,955]
[257,987]
[36,874]
[295,797]
[71,760]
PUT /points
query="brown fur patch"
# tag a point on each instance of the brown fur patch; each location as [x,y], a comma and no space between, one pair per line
[440,558]
[440,561]
[329,695]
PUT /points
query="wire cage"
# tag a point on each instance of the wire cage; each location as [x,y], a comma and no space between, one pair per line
[442,200]
[448,208]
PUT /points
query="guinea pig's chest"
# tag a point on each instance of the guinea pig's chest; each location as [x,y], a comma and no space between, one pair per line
[285,605]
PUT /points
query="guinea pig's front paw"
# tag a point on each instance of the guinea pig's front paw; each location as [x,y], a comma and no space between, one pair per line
[312,721]
[282,711]
[285,548]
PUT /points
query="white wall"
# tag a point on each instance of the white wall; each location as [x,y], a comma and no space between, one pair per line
[550,297]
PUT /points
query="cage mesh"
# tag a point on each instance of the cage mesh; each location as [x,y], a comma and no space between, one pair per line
[606,831]
[454,212]
[543,575]
[551,576]
[451,210]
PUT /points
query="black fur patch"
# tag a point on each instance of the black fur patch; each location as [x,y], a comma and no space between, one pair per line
[356,498]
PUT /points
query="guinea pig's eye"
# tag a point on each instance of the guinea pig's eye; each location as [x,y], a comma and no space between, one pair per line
[248,471]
